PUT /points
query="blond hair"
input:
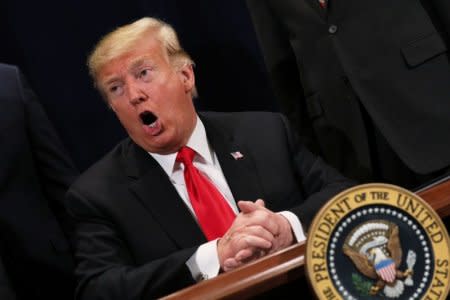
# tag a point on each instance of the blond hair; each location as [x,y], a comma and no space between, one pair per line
[124,38]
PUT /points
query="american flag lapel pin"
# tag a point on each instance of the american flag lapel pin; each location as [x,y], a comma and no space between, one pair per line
[237,155]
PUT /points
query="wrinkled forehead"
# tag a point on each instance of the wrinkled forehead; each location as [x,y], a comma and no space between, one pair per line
[117,46]
[149,50]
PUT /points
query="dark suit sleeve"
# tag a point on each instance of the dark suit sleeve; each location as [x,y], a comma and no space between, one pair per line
[55,168]
[282,68]
[106,268]
[319,181]
[6,291]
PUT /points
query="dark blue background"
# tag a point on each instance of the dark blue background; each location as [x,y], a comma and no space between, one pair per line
[50,41]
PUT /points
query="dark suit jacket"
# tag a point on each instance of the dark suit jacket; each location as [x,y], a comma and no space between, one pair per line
[35,173]
[133,232]
[6,290]
[391,57]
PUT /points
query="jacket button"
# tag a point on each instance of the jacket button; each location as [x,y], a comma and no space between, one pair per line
[332,29]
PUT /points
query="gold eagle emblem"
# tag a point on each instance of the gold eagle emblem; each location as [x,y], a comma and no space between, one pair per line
[374,248]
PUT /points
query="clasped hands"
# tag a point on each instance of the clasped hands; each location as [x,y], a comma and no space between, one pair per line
[255,232]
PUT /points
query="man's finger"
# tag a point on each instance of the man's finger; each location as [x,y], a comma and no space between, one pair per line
[259,231]
[244,254]
[231,264]
[253,241]
[248,206]
[260,202]
[261,217]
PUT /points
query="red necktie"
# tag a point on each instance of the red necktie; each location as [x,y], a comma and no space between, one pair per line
[213,213]
[323,3]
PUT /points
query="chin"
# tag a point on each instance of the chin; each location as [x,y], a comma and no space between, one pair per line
[160,148]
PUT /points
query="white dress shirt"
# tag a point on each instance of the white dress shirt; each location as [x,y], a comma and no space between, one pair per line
[204,263]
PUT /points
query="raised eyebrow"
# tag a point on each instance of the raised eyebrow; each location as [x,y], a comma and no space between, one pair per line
[106,86]
[110,79]
[139,62]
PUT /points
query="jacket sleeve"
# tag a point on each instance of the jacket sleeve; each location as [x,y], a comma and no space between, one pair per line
[53,164]
[319,181]
[106,268]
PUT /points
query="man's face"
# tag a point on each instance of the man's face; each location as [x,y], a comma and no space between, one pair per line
[151,98]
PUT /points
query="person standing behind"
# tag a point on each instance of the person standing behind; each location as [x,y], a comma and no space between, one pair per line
[366,83]
[35,173]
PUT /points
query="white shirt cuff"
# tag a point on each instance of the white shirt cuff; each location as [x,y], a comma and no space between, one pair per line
[296,225]
[204,263]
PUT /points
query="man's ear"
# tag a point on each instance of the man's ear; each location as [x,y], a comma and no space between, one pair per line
[186,73]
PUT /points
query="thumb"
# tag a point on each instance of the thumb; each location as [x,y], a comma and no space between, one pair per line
[248,206]
[260,202]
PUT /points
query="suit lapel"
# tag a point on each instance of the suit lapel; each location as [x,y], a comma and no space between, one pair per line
[240,173]
[153,188]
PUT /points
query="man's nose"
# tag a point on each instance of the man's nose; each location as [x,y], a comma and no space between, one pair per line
[135,94]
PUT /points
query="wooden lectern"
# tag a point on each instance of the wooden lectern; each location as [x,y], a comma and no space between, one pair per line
[287,265]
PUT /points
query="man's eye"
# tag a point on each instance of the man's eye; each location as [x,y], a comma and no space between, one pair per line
[115,90]
[144,74]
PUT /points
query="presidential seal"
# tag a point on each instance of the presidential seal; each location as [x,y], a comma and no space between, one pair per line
[378,241]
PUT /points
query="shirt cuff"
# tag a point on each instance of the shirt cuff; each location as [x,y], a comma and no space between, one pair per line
[296,225]
[204,263]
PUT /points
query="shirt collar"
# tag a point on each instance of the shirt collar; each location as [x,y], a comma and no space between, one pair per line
[197,141]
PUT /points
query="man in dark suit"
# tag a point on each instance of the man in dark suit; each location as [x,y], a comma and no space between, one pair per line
[365,82]
[35,173]
[140,229]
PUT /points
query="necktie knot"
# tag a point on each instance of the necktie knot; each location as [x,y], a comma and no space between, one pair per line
[185,155]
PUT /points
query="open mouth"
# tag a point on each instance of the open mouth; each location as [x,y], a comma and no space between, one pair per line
[148,118]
